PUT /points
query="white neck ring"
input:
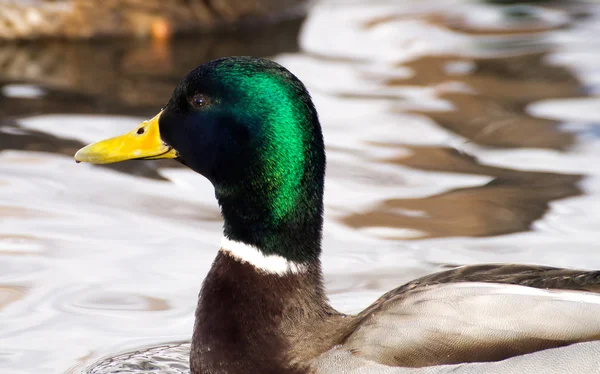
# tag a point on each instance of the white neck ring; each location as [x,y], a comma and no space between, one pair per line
[270,264]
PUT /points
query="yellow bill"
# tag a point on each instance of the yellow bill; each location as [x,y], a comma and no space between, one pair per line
[142,143]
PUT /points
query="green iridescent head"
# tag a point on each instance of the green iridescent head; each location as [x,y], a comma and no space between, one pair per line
[249,126]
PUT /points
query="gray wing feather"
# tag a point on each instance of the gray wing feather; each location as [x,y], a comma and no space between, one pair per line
[473,322]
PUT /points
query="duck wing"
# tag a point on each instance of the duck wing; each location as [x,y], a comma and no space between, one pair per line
[525,275]
[465,322]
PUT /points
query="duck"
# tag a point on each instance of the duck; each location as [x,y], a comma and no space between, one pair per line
[250,127]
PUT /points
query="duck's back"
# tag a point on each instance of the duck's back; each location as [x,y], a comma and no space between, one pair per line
[456,318]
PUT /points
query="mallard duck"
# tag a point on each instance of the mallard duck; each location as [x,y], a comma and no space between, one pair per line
[249,126]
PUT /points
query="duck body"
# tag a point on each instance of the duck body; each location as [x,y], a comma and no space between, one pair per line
[467,320]
[249,126]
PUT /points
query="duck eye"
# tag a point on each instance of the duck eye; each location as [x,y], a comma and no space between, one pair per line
[198,101]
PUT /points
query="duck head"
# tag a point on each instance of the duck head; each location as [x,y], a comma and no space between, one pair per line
[249,126]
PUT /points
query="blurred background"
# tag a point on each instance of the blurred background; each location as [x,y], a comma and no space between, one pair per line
[457,132]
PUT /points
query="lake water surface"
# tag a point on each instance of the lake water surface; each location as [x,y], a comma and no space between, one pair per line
[457,132]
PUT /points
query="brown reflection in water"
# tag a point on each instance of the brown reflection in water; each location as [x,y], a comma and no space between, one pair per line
[488,121]
[495,112]
[514,19]
[490,97]
[155,304]
[8,211]
[524,23]
[136,73]
[520,78]
[123,302]
[509,203]
[10,294]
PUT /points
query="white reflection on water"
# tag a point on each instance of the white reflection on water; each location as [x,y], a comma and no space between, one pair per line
[94,261]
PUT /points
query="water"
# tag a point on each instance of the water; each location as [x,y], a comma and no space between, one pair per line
[457,132]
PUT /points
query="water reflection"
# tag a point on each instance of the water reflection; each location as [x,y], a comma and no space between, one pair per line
[493,112]
[11,294]
[121,75]
[492,122]
[509,203]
